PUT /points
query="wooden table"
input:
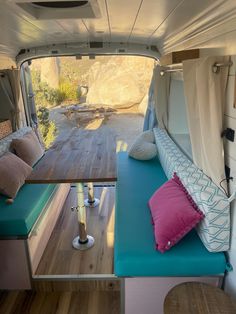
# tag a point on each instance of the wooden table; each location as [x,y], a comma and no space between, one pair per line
[198,298]
[80,156]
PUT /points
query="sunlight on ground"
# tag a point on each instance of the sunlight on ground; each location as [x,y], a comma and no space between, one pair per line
[104,205]
[94,125]
[104,200]
[121,146]
[110,239]
[110,229]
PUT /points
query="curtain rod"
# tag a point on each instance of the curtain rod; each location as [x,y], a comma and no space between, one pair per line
[215,68]
[170,70]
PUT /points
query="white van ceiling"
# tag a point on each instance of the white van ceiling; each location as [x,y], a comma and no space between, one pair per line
[167,24]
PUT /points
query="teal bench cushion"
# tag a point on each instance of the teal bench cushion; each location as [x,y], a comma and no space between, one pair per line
[135,253]
[17,219]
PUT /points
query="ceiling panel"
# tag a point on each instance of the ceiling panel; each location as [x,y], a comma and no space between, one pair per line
[123,14]
[151,16]
[19,30]
[76,29]
[185,19]
[166,23]
[99,29]
[44,27]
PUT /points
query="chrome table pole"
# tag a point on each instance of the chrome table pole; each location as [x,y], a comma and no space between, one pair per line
[91,201]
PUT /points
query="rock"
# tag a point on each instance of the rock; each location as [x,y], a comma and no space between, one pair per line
[120,83]
[143,105]
[50,71]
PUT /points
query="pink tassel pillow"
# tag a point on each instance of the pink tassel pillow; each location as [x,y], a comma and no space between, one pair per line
[174,213]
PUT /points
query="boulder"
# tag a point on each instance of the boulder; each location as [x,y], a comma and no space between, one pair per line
[120,83]
[142,108]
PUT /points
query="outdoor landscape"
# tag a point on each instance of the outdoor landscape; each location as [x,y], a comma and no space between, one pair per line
[107,92]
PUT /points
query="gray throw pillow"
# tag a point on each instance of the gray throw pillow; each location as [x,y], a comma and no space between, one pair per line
[27,148]
[13,172]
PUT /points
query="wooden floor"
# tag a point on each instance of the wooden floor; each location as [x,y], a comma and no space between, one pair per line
[73,296]
[60,258]
[101,302]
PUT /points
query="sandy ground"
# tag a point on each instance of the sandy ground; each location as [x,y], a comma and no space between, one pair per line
[126,124]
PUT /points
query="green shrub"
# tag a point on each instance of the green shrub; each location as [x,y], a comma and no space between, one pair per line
[70,90]
[45,96]
[47,128]
[60,96]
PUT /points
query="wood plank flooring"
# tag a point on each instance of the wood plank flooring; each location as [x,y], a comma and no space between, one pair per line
[76,285]
[26,302]
[60,258]
[73,296]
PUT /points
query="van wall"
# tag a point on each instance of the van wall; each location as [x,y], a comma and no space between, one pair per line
[177,122]
[177,118]
[221,45]
[230,157]
[6,62]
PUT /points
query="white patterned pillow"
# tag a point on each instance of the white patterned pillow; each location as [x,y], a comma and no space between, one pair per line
[6,141]
[144,148]
[214,229]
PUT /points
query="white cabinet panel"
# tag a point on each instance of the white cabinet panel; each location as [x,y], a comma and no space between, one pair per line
[229,107]
[230,147]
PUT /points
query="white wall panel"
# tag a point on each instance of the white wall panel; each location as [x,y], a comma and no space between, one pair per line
[177,123]
[230,285]
[230,147]
[232,69]
[230,159]
[229,106]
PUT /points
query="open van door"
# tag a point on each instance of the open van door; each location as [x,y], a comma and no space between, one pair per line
[28,95]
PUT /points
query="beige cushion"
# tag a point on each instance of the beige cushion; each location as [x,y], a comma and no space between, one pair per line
[147,136]
[13,172]
[143,147]
[28,148]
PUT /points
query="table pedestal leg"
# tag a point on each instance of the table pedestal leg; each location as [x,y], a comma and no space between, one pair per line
[82,241]
[91,201]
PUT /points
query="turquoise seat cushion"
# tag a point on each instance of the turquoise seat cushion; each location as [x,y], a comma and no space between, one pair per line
[17,219]
[135,253]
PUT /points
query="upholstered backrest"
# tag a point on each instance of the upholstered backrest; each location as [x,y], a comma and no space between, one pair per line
[214,229]
[6,141]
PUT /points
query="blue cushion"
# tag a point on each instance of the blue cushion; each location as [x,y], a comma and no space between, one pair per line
[135,253]
[17,219]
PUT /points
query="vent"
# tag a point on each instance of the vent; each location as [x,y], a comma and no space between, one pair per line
[46,10]
[60,4]
[96,44]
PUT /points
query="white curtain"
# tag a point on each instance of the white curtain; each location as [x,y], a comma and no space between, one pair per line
[10,91]
[161,96]
[205,100]
[14,78]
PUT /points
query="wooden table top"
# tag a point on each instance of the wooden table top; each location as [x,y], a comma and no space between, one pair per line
[198,298]
[80,156]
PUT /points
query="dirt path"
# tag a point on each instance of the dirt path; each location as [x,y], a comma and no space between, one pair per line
[126,124]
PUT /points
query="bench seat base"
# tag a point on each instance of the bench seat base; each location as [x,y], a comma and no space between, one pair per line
[20,257]
[135,253]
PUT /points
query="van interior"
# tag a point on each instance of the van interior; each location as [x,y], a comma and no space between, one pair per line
[137,218]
